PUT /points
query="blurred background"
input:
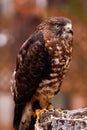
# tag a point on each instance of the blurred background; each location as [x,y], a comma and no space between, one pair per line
[18,19]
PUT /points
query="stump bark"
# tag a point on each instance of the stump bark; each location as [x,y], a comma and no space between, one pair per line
[54,119]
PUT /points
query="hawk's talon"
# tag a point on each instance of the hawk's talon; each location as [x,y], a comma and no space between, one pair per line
[50,107]
[38,112]
[59,109]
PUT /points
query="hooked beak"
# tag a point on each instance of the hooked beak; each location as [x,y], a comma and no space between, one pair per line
[68,28]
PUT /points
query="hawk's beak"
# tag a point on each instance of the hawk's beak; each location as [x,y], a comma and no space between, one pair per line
[68,28]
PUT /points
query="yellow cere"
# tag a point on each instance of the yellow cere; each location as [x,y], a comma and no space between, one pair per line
[68,26]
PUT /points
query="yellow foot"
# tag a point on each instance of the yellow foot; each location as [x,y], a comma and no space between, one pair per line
[38,112]
[50,107]
[59,109]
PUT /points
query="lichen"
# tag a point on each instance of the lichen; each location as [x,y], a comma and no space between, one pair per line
[63,120]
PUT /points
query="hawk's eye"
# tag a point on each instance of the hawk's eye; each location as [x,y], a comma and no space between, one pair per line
[57,26]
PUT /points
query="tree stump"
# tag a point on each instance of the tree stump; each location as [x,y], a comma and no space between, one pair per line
[54,119]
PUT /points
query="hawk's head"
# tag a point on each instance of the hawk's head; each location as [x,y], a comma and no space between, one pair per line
[57,27]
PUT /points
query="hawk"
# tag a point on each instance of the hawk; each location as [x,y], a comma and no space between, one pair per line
[41,65]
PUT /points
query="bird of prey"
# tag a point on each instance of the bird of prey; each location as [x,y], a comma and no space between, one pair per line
[41,65]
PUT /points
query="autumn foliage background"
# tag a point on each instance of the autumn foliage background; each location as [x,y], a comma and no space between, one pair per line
[18,19]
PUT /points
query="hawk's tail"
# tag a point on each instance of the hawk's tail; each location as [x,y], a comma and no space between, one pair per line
[17,115]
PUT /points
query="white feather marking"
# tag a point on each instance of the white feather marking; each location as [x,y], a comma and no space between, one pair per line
[50,48]
[13,82]
[50,89]
[45,82]
[56,60]
[58,47]
[67,63]
[71,49]
[53,74]
[48,41]
[60,52]
[19,58]
[47,88]
[54,69]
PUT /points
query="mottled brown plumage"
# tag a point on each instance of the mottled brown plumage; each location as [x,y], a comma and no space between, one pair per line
[41,65]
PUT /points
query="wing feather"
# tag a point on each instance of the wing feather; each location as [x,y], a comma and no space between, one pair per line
[33,65]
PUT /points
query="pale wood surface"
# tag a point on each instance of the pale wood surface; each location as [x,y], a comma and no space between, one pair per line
[54,119]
